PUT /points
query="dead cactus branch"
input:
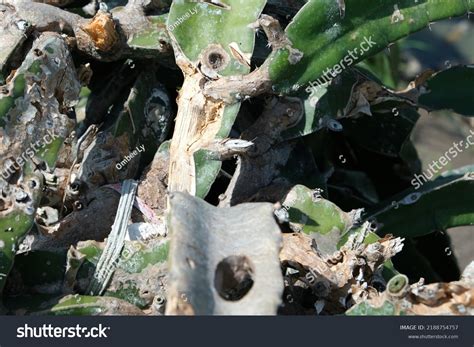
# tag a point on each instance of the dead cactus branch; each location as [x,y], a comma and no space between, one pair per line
[334,280]
[106,37]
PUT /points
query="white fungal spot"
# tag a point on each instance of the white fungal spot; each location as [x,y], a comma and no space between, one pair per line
[316,194]
[333,32]
[313,101]
[103,7]
[397,16]
[342,301]
[410,199]
[282,215]
[461,309]
[290,271]
[334,125]
[30,128]
[29,115]
[319,306]
[295,56]
[22,24]
[295,87]
[237,144]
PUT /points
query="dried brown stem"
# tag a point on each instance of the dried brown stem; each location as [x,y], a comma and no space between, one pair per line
[347,273]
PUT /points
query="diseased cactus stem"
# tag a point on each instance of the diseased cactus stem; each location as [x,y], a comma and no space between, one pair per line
[41,89]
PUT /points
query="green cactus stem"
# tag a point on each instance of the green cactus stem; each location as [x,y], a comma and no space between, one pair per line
[443,203]
[325,38]
[319,42]
[310,213]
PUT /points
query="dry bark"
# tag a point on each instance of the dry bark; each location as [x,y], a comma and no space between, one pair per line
[219,262]
[103,37]
[257,168]
[335,280]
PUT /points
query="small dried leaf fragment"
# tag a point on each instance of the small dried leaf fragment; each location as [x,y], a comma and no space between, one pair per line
[102,31]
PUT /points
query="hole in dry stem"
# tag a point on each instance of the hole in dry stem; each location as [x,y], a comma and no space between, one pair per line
[233,278]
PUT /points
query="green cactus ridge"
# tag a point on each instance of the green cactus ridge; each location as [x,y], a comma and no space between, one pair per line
[326,39]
